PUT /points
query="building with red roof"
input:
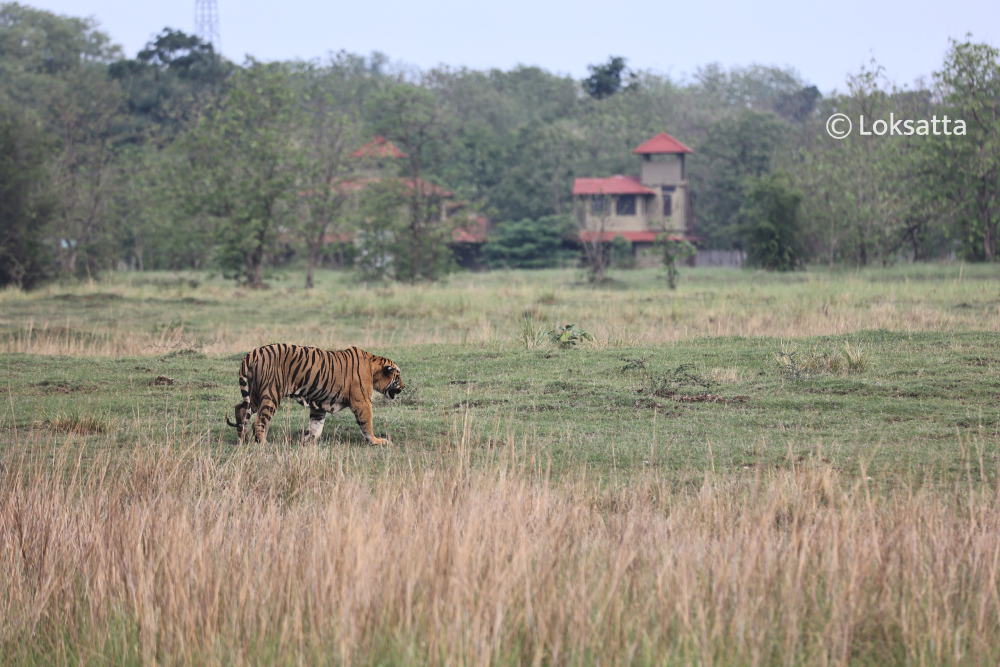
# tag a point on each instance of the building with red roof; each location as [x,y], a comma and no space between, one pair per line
[374,166]
[641,207]
[374,155]
[377,149]
[612,185]
[661,144]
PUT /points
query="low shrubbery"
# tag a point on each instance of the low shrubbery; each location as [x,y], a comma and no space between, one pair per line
[532,244]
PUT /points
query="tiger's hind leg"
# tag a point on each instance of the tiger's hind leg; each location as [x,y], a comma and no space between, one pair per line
[363,415]
[317,417]
[266,411]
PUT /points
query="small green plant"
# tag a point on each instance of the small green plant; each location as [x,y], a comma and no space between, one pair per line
[530,334]
[677,378]
[857,358]
[674,249]
[77,424]
[635,366]
[788,363]
[793,364]
[818,361]
[567,336]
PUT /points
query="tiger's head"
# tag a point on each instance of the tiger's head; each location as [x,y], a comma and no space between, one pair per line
[386,378]
[242,414]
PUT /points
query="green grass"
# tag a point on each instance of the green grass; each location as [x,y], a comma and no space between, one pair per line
[148,314]
[924,405]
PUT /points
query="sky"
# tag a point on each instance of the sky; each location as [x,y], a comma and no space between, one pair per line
[824,41]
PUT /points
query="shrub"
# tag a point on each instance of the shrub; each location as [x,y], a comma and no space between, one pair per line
[620,253]
[772,238]
[567,336]
[531,244]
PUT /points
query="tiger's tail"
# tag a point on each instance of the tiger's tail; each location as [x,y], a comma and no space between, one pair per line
[243,410]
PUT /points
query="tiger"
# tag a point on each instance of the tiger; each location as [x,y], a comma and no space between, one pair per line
[322,380]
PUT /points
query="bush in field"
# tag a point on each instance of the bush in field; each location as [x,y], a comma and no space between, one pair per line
[673,250]
[567,336]
[772,238]
[530,244]
[620,253]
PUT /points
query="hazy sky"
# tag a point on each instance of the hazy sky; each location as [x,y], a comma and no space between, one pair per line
[824,41]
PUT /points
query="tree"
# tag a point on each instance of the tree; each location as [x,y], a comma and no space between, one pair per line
[330,128]
[530,244]
[538,179]
[169,82]
[595,247]
[38,42]
[674,248]
[25,208]
[771,233]
[411,117]
[53,69]
[735,149]
[159,223]
[970,162]
[88,124]
[381,225]
[606,80]
[243,161]
[866,197]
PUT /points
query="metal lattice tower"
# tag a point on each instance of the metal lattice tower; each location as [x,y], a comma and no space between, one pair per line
[206,22]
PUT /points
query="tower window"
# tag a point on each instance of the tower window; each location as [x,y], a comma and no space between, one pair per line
[668,200]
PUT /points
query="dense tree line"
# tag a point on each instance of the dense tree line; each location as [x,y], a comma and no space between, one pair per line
[179,158]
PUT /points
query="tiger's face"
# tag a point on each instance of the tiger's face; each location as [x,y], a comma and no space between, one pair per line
[386,378]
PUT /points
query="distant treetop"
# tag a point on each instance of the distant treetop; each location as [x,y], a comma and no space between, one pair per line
[606,80]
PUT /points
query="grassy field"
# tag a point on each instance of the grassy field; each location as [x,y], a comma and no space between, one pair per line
[754,469]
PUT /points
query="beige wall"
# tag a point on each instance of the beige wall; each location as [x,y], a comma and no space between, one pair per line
[644,206]
[649,214]
[662,170]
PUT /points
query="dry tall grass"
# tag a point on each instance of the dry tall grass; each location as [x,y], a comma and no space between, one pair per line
[299,556]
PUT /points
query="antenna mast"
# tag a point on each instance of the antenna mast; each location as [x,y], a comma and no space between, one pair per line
[206,22]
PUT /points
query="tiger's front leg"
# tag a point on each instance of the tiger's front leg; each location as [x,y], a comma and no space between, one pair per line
[363,415]
[317,417]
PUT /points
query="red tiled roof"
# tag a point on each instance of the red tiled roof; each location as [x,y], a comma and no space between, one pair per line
[378,147]
[661,143]
[635,237]
[429,188]
[614,185]
[342,237]
[473,231]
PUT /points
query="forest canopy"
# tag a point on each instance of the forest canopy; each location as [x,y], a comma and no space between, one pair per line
[179,158]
